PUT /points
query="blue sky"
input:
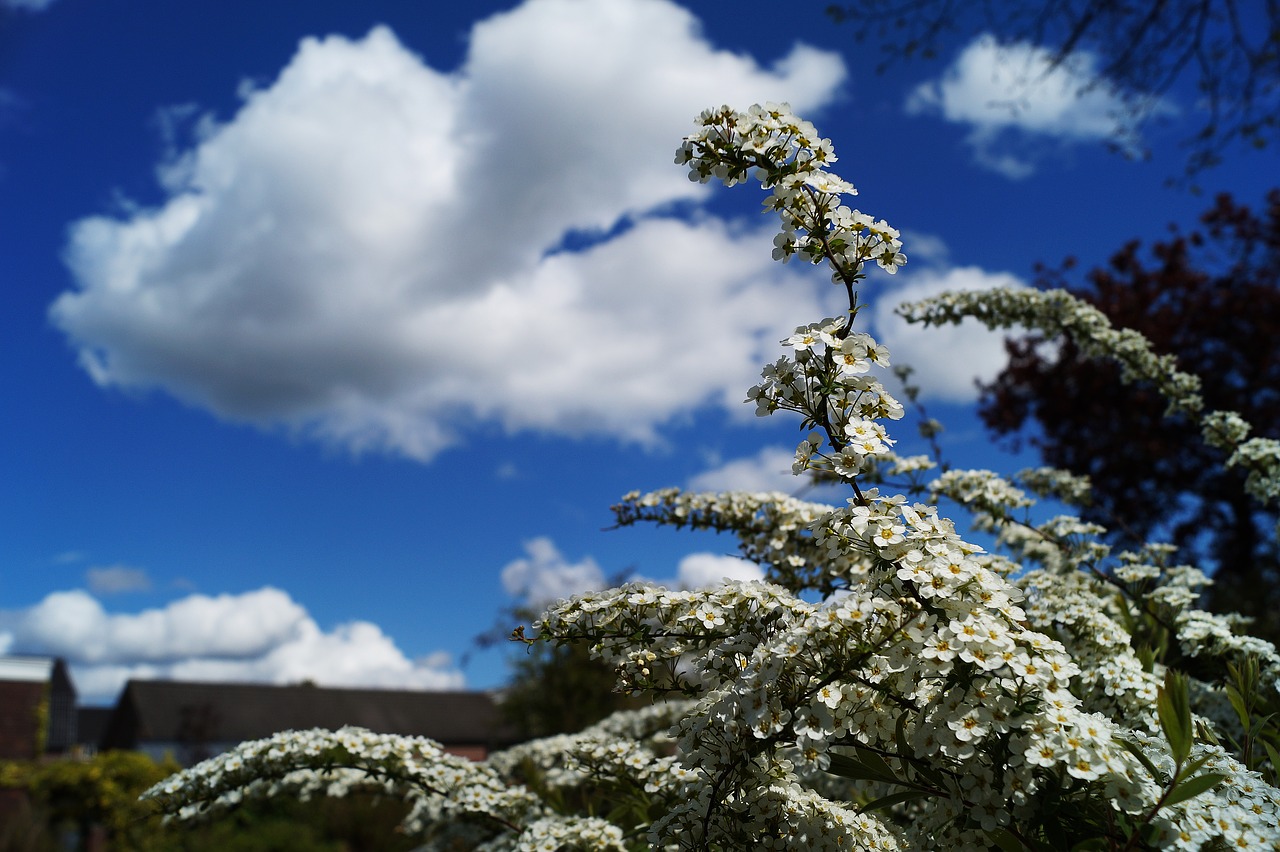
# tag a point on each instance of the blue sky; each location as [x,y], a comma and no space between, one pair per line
[332,329]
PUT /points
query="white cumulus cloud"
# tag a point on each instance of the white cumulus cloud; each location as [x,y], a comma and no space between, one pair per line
[543,576]
[947,359]
[700,570]
[368,251]
[260,636]
[703,570]
[767,470]
[1012,94]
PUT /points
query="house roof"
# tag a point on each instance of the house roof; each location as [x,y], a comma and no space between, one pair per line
[33,669]
[178,711]
[91,722]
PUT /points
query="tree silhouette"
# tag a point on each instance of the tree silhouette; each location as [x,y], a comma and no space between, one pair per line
[1212,299]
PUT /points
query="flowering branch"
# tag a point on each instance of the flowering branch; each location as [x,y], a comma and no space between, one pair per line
[893,686]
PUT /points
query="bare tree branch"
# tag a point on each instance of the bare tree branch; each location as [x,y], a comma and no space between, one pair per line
[1230,50]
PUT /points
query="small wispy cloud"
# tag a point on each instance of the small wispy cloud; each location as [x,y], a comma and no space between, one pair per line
[116,579]
[27,5]
[1013,97]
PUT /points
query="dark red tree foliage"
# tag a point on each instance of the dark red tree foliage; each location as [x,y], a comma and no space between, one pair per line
[1211,297]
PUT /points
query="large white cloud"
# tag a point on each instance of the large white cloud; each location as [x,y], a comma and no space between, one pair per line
[262,635]
[367,250]
[947,359]
[1010,94]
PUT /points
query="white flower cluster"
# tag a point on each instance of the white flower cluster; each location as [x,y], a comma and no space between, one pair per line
[860,669]
[1112,678]
[786,154]
[454,800]
[553,834]
[1057,312]
[892,686]
[772,531]
[630,748]
[305,763]
[1062,485]
[827,382]
[900,465]
[1241,813]
[982,490]
[1227,430]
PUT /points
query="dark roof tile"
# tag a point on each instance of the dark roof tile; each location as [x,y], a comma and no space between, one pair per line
[178,711]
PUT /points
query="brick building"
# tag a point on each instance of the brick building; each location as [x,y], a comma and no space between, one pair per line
[37,707]
[194,721]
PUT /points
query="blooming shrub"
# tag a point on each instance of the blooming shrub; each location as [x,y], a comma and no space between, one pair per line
[891,685]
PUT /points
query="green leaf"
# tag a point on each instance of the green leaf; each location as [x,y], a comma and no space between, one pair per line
[1205,734]
[1191,768]
[1271,753]
[848,767]
[1193,787]
[928,773]
[1173,706]
[1238,702]
[900,734]
[1093,844]
[618,814]
[1003,838]
[876,762]
[893,799]
[1126,616]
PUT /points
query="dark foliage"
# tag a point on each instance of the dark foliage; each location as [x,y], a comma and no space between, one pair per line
[560,689]
[93,803]
[1212,298]
[553,688]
